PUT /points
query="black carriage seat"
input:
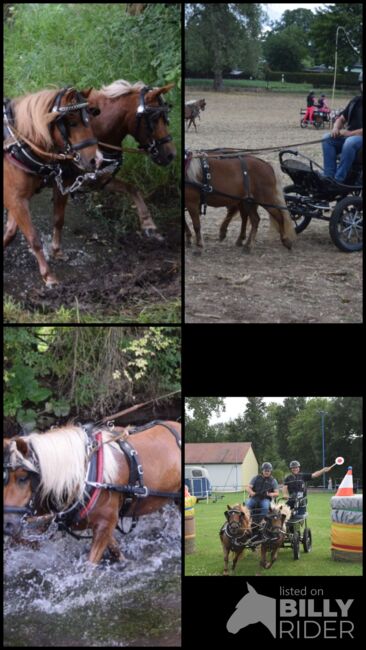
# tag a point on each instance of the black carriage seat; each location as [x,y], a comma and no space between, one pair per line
[298,509]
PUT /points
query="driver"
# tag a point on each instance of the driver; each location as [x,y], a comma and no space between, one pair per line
[344,141]
[262,488]
[295,484]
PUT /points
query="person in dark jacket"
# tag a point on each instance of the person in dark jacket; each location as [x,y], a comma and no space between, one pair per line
[294,485]
[262,488]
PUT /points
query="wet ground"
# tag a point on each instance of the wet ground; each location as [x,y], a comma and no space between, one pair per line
[52,597]
[109,266]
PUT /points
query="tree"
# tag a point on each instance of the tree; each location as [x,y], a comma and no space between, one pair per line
[222,35]
[198,411]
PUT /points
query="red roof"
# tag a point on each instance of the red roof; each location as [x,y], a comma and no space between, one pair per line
[216,452]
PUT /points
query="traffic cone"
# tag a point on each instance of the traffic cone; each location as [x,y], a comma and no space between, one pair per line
[346,487]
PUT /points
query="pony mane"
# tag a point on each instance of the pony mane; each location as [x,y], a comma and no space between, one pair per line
[62,463]
[33,116]
[121,87]
[283,509]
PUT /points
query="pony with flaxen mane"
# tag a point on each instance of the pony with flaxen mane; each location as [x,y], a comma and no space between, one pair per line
[42,130]
[84,478]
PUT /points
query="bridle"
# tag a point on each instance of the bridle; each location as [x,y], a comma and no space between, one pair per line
[151,114]
[80,105]
[30,507]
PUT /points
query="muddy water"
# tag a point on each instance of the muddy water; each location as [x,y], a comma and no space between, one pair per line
[52,597]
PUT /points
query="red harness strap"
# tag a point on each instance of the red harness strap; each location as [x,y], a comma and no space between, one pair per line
[86,510]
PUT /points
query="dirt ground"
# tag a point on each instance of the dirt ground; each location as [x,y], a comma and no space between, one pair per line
[109,267]
[313,283]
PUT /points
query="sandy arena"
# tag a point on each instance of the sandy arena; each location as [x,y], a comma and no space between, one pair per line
[313,283]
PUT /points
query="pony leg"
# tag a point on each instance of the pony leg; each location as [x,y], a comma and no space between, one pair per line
[236,558]
[195,216]
[188,234]
[102,538]
[59,205]
[224,226]
[10,231]
[147,224]
[115,550]
[254,222]
[19,214]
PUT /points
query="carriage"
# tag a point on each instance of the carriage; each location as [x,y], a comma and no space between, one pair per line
[311,197]
[297,531]
[320,119]
[285,525]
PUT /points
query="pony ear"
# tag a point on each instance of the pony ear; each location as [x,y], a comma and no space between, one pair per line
[228,507]
[87,91]
[155,92]
[22,446]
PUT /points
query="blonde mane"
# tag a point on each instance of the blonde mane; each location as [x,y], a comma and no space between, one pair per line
[121,87]
[33,117]
[62,460]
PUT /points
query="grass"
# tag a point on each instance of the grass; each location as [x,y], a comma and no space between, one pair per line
[208,558]
[168,312]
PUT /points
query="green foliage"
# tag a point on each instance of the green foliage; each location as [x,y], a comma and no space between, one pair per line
[93,45]
[51,372]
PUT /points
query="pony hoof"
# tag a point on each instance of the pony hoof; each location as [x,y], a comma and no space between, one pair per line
[51,281]
[246,250]
[238,243]
[268,565]
[59,255]
[152,233]
[197,251]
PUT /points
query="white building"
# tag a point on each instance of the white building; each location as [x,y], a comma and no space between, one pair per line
[230,465]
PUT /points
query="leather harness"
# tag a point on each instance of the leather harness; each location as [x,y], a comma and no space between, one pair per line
[134,490]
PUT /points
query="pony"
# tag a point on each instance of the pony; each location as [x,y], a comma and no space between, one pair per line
[88,478]
[40,129]
[274,533]
[240,182]
[235,533]
[253,608]
[124,109]
[192,110]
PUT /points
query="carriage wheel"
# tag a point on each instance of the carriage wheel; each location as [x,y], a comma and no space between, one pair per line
[318,122]
[296,545]
[301,221]
[346,224]
[304,124]
[306,540]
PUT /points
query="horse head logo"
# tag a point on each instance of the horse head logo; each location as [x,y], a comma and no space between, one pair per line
[253,608]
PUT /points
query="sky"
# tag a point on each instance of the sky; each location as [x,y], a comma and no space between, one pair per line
[236,406]
[275,10]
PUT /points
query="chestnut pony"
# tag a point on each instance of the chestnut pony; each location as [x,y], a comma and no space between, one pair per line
[124,109]
[50,473]
[274,533]
[40,129]
[235,533]
[233,179]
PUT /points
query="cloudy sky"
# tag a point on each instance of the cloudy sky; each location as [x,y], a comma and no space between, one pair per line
[275,10]
[236,406]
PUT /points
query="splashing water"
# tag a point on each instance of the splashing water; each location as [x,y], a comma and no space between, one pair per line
[54,597]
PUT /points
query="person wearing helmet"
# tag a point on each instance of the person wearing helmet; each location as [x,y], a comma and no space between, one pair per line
[294,485]
[262,488]
[342,141]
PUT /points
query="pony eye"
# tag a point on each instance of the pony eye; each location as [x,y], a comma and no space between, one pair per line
[22,480]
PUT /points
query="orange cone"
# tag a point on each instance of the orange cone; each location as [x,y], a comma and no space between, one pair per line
[346,487]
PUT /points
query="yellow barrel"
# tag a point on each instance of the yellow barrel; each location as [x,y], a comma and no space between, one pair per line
[347,528]
[189,525]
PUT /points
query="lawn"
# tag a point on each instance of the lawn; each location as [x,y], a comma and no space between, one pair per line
[208,558]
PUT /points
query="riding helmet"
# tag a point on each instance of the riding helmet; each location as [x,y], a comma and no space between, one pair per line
[294,463]
[267,466]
